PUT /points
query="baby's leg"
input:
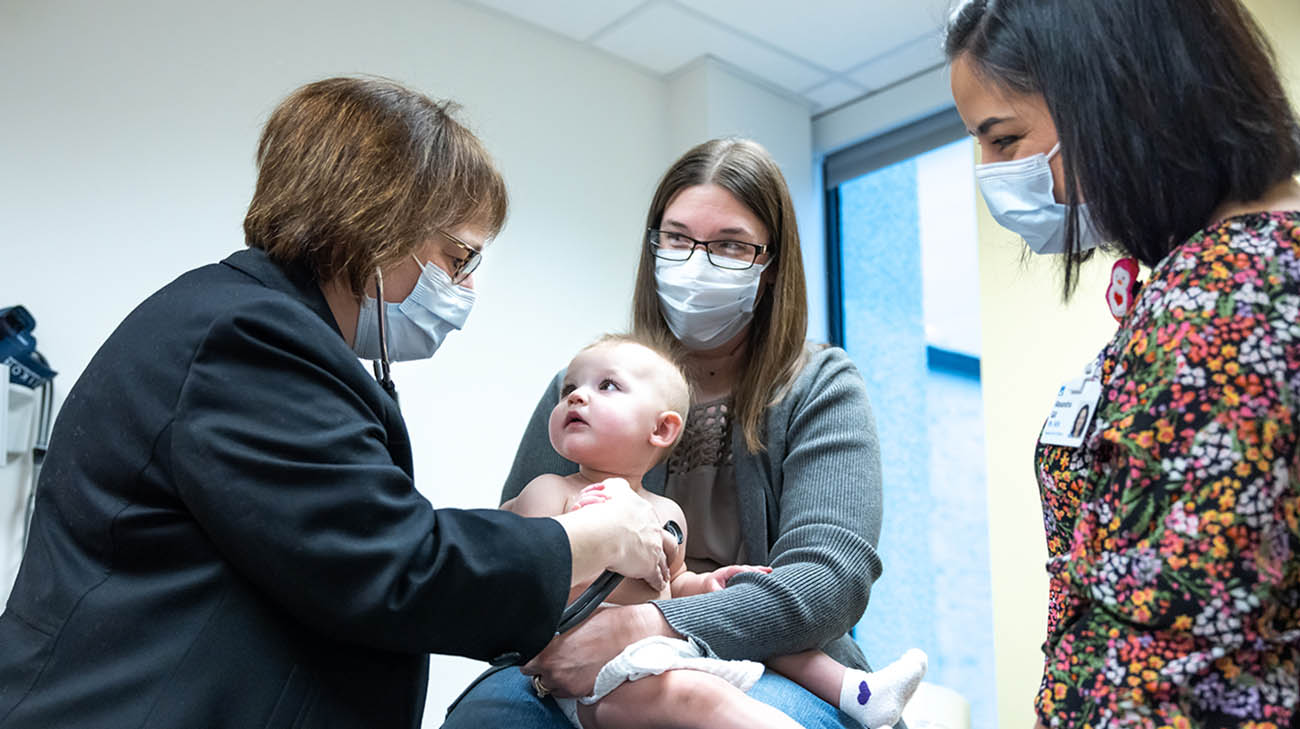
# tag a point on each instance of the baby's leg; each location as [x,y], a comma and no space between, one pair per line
[876,699]
[681,699]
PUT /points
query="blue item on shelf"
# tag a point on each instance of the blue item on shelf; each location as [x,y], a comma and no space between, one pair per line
[18,353]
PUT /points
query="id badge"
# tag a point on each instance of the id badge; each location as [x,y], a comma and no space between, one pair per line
[1073,410]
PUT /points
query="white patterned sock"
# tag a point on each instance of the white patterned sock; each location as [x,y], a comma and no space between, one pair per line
[877,699]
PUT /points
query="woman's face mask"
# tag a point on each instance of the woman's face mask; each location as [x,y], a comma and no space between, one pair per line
[416,327]
[1019,195]
[704,305]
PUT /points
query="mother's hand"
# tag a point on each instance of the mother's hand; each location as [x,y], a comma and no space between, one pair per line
[569,665]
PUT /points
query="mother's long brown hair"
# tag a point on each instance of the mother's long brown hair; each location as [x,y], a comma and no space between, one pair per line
[776,336]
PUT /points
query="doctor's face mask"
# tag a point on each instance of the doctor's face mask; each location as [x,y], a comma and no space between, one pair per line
[417,326]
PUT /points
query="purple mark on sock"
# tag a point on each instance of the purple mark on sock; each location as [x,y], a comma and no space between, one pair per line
[864,693]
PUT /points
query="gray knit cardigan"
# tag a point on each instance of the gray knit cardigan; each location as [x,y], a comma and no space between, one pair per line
[810,506]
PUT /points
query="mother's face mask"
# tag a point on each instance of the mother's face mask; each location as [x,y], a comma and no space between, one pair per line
[417,326]
[709,262]
[704,305]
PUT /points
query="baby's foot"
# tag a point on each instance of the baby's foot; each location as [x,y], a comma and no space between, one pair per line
[877,699]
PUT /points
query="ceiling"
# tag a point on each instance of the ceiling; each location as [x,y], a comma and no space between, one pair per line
[829,52]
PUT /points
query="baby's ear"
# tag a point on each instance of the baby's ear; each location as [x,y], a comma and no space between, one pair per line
[667,427]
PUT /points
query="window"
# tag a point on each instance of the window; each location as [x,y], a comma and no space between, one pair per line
[903,259]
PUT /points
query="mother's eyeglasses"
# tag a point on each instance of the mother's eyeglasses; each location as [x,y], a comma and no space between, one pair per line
[731,254]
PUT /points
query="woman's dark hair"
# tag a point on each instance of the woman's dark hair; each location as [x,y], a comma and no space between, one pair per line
[354,173]
[1165,109]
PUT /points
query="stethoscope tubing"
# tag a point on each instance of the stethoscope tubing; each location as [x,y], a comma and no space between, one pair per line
[381,365]
[576,612]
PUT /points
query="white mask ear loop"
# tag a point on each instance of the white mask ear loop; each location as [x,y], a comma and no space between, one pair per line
[1055,149]
[441,270]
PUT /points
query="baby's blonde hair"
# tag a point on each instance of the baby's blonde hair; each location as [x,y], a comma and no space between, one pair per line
[677,396]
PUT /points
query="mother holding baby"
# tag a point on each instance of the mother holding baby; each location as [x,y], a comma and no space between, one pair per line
[779,463]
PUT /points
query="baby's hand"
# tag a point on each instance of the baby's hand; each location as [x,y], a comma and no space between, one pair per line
[593,494]
[717,579]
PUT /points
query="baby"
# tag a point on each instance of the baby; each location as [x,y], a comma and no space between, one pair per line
[620,412]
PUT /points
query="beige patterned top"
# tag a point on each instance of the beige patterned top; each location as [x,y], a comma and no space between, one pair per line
[702,480]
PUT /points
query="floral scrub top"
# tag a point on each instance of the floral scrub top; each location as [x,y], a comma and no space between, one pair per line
[1172,532]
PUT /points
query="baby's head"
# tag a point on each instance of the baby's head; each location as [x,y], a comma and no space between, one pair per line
[622,406]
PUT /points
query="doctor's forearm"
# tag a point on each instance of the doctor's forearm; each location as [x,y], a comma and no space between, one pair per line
[588,545]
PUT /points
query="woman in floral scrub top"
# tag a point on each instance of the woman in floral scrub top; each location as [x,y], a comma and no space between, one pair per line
[1172,531]
[1173,528]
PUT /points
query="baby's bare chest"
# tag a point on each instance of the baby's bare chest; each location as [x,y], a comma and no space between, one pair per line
[635,592]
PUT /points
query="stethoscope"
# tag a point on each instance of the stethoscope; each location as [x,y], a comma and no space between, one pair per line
[382,374]
[576,612]
[573,614]
[599,589]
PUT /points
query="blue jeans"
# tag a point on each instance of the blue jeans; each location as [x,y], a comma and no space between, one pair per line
[506,699]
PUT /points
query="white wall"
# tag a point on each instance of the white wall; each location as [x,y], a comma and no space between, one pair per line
[883,111]
[127,144]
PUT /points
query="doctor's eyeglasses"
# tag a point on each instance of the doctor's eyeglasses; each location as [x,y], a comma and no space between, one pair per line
[466,263]
[732,254]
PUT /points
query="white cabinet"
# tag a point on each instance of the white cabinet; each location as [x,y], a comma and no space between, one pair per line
[20,407]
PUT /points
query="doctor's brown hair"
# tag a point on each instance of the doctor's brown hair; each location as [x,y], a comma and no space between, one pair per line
[776,335]
[355,173]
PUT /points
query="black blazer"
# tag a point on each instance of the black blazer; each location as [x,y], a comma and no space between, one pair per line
[227,533]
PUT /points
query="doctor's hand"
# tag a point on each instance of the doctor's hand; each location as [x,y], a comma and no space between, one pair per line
[617,531]
[569,665]
[640,552]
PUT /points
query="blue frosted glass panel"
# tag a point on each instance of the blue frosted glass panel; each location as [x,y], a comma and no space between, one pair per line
[884,332]
[934,593]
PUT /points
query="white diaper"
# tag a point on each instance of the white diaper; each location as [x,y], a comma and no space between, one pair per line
[651,657]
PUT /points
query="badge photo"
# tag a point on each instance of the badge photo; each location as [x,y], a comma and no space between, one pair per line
[1073,410]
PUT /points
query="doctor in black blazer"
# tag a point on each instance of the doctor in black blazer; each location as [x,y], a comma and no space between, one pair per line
[227,533]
